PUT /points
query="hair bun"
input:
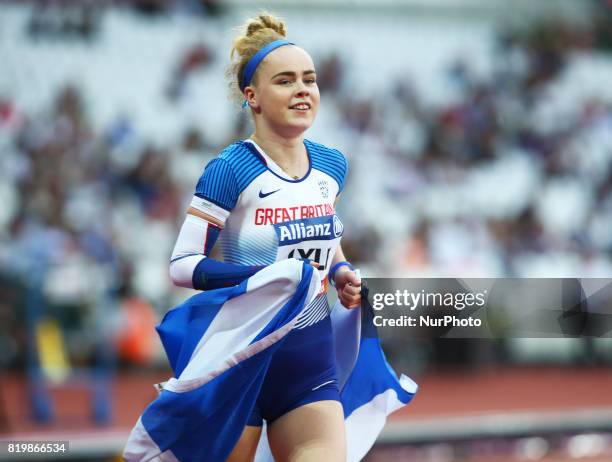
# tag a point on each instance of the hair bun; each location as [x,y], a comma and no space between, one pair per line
[265,21]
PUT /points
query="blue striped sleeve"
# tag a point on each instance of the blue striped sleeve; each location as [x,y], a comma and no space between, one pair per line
[330,161]
[218,184]
[341,167]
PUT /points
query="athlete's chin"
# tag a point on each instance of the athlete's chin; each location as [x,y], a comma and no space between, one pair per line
[302,126]
[303,123]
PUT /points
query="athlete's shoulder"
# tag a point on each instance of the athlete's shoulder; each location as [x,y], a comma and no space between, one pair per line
[328,160]
[228,174]
[233,152]
[240,160]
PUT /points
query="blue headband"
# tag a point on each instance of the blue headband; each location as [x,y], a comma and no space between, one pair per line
[257,58]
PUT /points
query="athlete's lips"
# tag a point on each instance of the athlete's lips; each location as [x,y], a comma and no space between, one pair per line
[301,106]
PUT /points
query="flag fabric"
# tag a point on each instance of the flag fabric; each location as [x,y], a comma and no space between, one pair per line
[220,344]
[370,389]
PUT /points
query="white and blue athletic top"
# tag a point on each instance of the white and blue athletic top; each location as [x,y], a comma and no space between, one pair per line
[267,216]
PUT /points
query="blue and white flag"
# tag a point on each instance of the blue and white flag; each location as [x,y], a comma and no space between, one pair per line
[370,389]
[220,343]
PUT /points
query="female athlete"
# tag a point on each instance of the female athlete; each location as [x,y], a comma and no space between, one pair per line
[271,197]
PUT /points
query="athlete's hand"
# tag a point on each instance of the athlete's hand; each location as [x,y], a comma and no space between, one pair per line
[348,285]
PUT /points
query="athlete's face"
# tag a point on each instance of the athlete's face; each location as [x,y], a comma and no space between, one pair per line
[285,95]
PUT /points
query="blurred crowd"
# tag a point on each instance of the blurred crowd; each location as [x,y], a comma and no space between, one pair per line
[512,179]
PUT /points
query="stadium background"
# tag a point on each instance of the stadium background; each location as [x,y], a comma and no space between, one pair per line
[479,134]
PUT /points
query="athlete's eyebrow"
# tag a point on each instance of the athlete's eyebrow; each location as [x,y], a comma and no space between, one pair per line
[292,74]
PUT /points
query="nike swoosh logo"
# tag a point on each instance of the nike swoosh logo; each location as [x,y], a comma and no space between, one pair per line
[263,194]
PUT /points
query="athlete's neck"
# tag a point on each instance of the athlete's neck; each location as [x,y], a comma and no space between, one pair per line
[288,153]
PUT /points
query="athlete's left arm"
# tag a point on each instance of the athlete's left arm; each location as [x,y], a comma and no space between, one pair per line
[348,284]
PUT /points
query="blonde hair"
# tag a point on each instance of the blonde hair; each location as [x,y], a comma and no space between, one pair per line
[258,32]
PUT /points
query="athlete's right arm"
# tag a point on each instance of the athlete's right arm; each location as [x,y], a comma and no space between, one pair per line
[190,265]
